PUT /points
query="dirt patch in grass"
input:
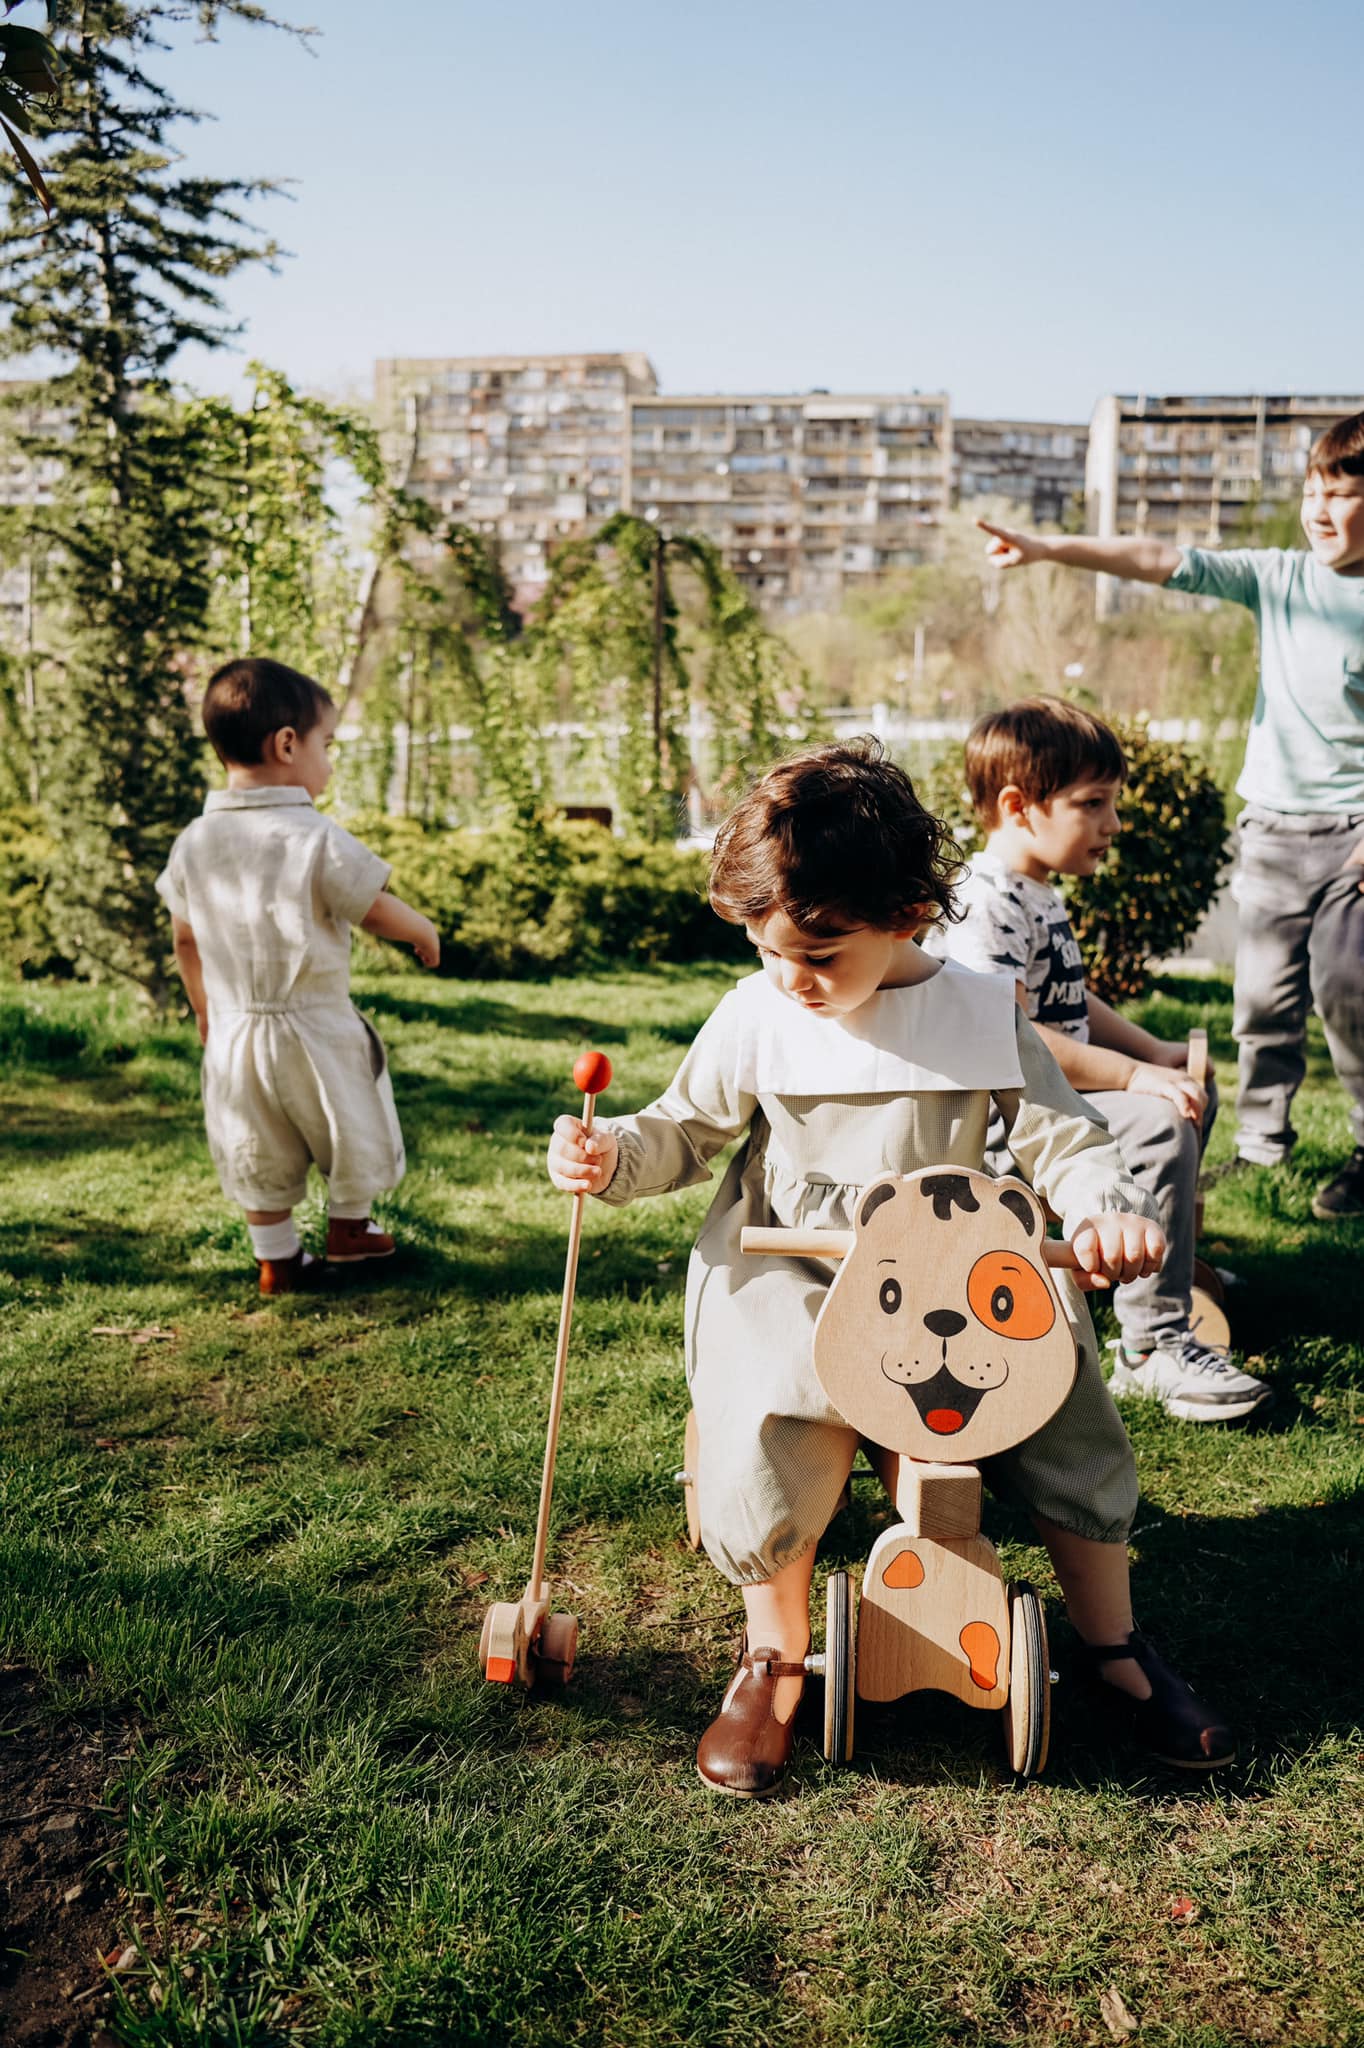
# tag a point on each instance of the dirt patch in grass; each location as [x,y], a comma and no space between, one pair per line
[59,1899]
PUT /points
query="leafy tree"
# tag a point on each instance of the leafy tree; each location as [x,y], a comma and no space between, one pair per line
[125,274]
[287,580]
[617,650]
[442,663]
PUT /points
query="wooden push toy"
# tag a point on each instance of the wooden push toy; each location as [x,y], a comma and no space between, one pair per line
[942,1340]
[1208,1297]
[521,1639]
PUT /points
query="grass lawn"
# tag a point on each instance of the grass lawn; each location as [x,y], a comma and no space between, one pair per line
[247,1548]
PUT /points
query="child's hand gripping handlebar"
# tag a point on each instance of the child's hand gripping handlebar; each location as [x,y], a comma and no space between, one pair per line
[1086,1257]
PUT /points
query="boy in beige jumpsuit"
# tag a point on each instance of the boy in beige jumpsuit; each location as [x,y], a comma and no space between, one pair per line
[262,891]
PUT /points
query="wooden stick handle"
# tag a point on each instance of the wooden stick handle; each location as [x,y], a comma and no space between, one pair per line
[556,1399]
[836,1244]
[1198,1056]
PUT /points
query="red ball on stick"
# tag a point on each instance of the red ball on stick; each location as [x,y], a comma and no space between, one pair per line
[592,1072]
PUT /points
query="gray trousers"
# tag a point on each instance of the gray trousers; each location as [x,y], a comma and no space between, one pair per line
[1301,942]
[1162,1151]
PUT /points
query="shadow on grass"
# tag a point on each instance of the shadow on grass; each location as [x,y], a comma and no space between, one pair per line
[48,1131]
[479,1264]
[482,1015]
[1258,1613]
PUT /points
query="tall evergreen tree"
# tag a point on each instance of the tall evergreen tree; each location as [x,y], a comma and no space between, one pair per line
[124,275]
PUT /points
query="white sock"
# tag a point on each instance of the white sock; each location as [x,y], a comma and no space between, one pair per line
[274,1241]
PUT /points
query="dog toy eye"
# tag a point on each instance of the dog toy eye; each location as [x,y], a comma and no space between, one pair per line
[890,1296]
[1010,1296]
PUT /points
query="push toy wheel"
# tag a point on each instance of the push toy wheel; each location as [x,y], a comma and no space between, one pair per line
[1207,1310]
[840,1670]
[556,1652]
[496,1648]
[1027,1714]
[686,1479]
[1210,1280]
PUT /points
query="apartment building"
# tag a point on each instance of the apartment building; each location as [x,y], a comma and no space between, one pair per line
[805,493]
[1036,465]
[530,448]
[1189,470]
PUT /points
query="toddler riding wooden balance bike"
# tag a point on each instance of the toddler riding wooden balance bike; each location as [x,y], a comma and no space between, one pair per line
[941,1341]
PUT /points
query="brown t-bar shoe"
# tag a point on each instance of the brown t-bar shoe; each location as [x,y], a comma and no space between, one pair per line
[746,1749]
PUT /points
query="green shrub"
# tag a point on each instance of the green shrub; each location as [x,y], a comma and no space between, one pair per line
[1149,896]
[27,855]
[564,897]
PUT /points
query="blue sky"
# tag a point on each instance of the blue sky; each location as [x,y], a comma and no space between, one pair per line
[1026,206]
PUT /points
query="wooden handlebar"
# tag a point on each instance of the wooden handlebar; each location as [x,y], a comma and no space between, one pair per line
[1198,1056]
[836,1244]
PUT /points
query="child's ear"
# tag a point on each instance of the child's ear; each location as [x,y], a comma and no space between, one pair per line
[1011,803]
[281,744]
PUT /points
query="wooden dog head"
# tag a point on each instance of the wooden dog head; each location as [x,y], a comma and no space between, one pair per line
[943,1335]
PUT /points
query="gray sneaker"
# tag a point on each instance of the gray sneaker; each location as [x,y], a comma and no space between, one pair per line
[1195,1381]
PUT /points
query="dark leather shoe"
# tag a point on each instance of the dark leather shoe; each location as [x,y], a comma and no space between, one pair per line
[746,1749]
[286,1276]
[352,1238]
[1174,1724]
[1343,1196]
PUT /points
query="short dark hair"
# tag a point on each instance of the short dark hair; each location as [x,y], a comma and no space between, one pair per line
[833,837]
[1042,745]
[247,700]
[1340,450]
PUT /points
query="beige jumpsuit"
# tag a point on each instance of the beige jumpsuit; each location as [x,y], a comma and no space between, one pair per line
[907,1082]
[292,1073]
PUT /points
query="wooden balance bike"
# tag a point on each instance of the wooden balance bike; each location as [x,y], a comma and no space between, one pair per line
[522,1642]
[942,1340]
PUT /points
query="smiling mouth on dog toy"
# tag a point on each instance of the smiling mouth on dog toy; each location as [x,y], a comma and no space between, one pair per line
[944,1404]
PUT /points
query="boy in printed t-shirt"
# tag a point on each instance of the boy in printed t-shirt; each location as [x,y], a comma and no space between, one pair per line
[1044,779]
[1298,882]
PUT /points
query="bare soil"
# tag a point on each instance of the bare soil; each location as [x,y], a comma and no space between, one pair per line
[61,1843]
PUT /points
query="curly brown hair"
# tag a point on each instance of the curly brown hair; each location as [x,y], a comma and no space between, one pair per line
[834,838]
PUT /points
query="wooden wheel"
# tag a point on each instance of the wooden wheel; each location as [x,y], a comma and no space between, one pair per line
[1208,1278]
[1027,1714]
[499,1645]
[556,1652]
[686,1479]
[840,1670]
[1207,1311]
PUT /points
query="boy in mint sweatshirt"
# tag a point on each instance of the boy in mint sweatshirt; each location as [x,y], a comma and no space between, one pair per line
[1300,867]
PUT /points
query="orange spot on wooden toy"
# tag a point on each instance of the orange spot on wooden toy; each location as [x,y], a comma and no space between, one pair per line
[981,1645]
[502,1670]
[904,1571]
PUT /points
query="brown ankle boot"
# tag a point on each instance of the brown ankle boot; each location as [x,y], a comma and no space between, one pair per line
[284,1276]
[746,1749]
[352,1238]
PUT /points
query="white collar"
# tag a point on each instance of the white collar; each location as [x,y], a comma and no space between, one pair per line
[956,1030]
[256,799]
